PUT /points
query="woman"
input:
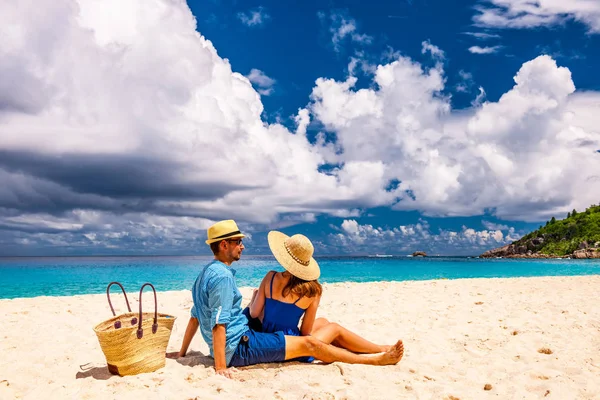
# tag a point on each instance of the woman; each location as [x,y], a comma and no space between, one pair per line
[284,297]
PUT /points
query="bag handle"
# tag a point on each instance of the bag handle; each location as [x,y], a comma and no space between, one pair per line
[118,323]
[140,331]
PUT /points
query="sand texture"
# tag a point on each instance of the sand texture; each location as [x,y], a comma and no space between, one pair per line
[523,338]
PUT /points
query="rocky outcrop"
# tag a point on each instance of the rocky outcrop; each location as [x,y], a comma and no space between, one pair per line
[587,253]
[527,251]
[512,251]
[503,251]
[577,236]
[419,254]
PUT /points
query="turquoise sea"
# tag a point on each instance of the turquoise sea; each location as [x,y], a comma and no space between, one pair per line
[66,276]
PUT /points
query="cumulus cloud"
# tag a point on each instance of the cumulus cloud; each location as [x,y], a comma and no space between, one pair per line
[255,17]
[405,239]
[78,230]
[531,14]
[515,157]
[140,116]
[263,83]
[343,27]
[132,117]
[484,50]
[493,226]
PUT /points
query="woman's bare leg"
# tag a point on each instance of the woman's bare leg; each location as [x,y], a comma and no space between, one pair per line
[337,335]
[319,323]
[302,346]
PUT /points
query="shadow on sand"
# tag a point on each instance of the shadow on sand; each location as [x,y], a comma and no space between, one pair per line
[192,359]
[90,371]
[100,372]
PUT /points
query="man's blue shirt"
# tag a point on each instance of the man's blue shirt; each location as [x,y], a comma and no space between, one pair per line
[217,300]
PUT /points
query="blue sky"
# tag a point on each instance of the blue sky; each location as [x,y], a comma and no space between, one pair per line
[294,46]
[128,127]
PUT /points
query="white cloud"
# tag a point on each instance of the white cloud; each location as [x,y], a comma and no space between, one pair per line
[479,99]
[436,52]
[139,122]
[466,81]
[262,81]
[350,227]
[143,116]
[41,222]
[255,17]
[531,14]
[516,156]
[484,50]
[356,238]
[493,226]
[465,75]
[128,232]
[343,27]
[482,35]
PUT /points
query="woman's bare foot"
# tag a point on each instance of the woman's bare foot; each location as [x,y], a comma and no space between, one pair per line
[393,355]
[384,348]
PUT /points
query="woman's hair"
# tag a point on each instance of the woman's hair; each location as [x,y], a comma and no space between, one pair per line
[302,288]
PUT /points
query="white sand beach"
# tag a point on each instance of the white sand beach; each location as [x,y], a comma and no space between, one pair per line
[459,336]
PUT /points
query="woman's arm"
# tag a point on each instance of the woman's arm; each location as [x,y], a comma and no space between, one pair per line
[258,302]
[309,317]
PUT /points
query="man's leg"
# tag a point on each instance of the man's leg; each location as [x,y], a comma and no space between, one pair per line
[302,346]
[332,333]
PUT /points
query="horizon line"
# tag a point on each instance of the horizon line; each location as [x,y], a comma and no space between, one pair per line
[210,255]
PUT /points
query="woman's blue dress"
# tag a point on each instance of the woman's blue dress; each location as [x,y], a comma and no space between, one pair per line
[285,317]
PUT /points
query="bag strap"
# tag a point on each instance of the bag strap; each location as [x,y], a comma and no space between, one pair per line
[140,331]
[108,296]
[117,323]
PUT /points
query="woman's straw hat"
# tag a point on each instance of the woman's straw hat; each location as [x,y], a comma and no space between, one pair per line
[222,230]
[295,255]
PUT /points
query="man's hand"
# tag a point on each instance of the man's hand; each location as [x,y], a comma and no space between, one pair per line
[174,355]
[227,372]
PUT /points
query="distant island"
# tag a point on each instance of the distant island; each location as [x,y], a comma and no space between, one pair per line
[577,236]
[419,254]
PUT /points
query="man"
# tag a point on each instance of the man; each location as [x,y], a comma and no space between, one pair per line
[218,311]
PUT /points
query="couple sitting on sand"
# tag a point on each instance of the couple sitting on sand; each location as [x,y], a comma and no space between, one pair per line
[267,331]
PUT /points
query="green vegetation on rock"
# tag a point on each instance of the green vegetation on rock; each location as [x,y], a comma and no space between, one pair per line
[563,237]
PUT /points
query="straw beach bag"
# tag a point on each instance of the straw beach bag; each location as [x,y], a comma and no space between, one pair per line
[134,343]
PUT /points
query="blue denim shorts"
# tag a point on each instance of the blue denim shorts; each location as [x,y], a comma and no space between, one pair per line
[258,348]
[253,323]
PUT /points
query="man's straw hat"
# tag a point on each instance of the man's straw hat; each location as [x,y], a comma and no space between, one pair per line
[222,230]
[295,255]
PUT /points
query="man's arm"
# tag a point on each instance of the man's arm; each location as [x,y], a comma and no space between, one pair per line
[219,339]
[220,301]
[190,331]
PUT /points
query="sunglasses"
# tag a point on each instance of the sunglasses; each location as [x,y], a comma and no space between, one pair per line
[236,241]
